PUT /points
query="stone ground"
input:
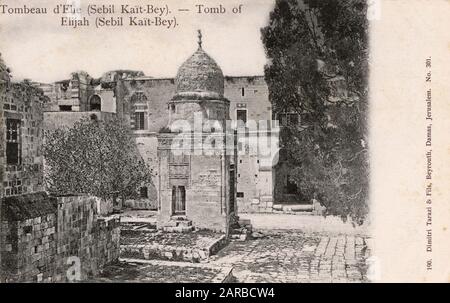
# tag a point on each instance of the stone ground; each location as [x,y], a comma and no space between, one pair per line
[305,222]
[138,216]
[192,239]
[291,256]
[290,248]
[142,271]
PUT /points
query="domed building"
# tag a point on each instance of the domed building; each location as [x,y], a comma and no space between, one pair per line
[200,75]
[197,179]
[199,90]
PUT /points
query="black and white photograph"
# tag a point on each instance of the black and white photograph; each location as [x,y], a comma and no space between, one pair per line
[220,142]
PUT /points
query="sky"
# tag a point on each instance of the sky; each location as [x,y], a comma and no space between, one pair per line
[36,47]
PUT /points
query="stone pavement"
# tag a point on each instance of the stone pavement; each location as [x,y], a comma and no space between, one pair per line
[306,249]
[156,271]
[329,225]
[292,256]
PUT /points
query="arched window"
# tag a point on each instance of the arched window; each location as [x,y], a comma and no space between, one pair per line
[139,111]
[95,103]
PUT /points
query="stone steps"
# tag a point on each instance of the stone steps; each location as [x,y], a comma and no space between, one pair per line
[174,223]
[241,231]
[178,229]
[178,224]
[195,253]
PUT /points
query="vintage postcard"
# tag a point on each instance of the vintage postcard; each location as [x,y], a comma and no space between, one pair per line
[246,141]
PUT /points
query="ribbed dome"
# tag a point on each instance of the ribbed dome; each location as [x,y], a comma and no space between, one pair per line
[200,74]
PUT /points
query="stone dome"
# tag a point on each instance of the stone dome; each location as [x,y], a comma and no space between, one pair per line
[200,75]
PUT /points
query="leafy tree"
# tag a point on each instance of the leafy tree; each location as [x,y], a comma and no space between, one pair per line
[94,157]
[318,65]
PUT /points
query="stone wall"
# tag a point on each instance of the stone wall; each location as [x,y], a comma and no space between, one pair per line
[73,93]
[4,83]
[108,99]
[81,232]
[160,91]
[42,234]
[250,93]
[22,102]
[147,143]
[157,92]
[254,179]
[208,194]
[206,179]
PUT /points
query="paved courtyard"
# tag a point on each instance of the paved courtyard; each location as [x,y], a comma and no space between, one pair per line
[292,256]
[307,249]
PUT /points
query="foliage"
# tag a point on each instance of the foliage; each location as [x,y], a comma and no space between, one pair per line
[318,52]
[94,157]
[165,130]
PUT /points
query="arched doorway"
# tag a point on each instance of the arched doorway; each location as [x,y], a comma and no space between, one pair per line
[95,103]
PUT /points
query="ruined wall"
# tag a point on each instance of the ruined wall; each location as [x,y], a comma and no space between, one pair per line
[42,233]
[22,102]
[72,93]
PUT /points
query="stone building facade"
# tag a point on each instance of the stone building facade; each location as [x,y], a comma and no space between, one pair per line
[197,176]
[145,105]
[21,133]
[143,101]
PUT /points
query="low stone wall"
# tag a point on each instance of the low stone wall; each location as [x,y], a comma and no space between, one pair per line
[155,251]
[29,249]
[82,233]
[47,239]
